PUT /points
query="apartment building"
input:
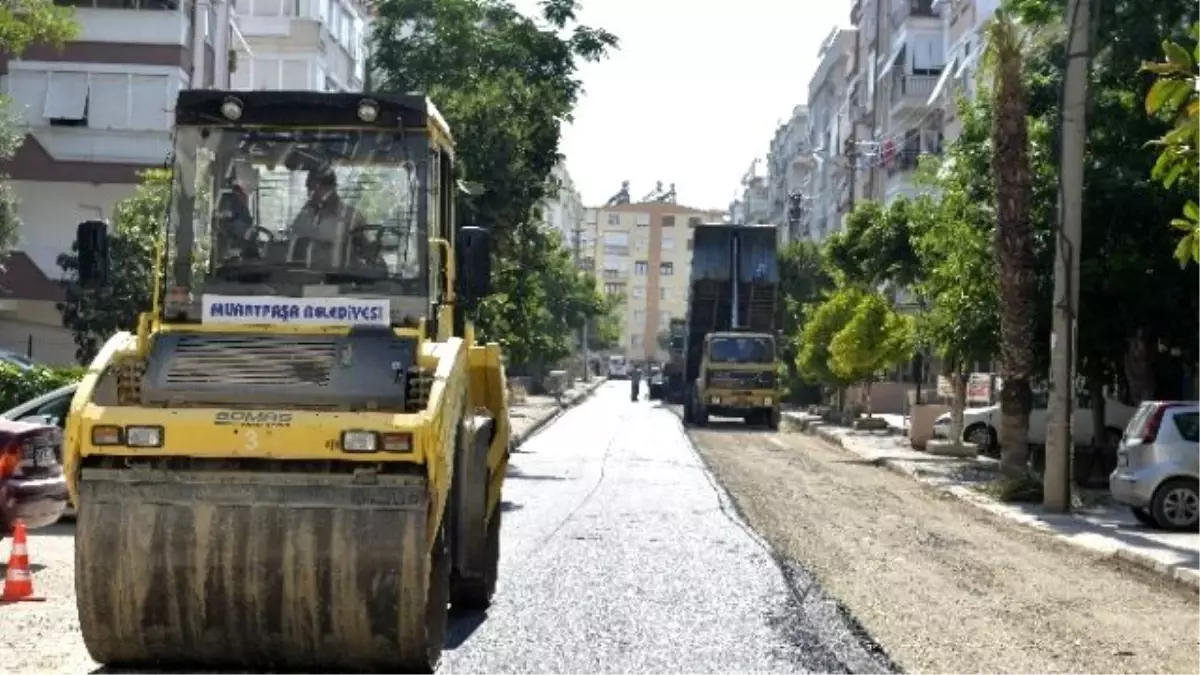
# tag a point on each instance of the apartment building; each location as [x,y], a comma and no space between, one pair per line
[563,211]
[899,59]
[827,197]
[789,165]
[96,112]
[962,23]
[320,45]
[643,251]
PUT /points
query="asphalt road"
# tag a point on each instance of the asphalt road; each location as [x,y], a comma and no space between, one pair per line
[620,554]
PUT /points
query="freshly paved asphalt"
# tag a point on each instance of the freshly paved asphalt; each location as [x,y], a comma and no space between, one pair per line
[621,554]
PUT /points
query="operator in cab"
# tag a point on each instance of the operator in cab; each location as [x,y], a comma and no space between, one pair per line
[325,220]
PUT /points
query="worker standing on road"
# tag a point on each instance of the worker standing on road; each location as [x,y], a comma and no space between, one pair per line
[635,381]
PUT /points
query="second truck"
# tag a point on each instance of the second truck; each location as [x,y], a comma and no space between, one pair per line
[730,361]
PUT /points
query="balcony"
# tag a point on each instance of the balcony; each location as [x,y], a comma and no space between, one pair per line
[910,94]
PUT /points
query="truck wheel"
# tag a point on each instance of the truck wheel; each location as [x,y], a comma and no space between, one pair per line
[475,595]
[773,420]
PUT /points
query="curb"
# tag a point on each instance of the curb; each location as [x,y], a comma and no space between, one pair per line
[518,438]
[1185,576]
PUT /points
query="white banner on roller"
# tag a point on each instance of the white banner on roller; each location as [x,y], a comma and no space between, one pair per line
[256,309]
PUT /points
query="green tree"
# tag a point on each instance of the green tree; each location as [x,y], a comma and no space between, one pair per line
[822,323]
[803,281]
[505,83]
[94,314]
[536,315]
[1173,97]
[23,23]
[874,338]
[876,247]
[604,330]
[1014,239]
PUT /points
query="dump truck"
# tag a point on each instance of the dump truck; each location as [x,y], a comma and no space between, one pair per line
[669,386]
[731,363]
[295,461]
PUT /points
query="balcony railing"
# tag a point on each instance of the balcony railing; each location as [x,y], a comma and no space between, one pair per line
[913,89]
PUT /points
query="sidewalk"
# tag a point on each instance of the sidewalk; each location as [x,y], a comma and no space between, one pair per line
[1102,527]
[535,412]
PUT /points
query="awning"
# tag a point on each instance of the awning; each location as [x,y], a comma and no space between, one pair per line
[969,60]
[941,83]
[891,61]
[237,33]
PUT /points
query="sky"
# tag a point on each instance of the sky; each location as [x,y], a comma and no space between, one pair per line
[694,93]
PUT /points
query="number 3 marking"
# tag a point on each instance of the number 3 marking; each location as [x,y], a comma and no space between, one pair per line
[252,440]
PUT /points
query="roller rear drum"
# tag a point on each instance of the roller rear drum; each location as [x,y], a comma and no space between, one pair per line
[259,570]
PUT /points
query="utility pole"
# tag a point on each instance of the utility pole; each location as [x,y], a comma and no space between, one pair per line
[1059,444]
[583,331]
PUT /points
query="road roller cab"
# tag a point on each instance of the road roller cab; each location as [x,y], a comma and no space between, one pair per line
[296,458]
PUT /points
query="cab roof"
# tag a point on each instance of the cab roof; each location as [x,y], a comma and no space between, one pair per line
[196,107]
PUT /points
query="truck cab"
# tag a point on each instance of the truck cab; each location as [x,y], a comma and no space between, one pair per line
[738,378]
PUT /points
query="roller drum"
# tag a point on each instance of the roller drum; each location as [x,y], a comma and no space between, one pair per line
[259,570]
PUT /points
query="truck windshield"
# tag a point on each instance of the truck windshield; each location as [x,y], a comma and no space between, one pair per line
[742,349]
[289,208]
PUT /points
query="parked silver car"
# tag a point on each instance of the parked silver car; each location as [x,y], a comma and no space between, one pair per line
[1158,466]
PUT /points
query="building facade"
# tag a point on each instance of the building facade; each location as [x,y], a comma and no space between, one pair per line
[564,210]
[95,112]
[319,45]
[789,167]
[962,24]
[898,62]
[643,251]
[827,196]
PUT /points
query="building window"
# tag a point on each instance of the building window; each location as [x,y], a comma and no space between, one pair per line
[668,243]
[613,289]
[639,315]
[614,219]
[635,340]
[668,221]
[590,216]
[693,221]
[616,243]
[640,267]
[643,219]
[67,99]
[663,294]
[639,291]
[666,269]
[689,246]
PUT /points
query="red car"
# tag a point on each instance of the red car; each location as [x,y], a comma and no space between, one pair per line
[33,486]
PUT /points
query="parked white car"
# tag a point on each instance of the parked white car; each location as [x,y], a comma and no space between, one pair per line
[980,424]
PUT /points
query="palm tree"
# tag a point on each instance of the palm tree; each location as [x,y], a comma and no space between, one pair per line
[1014,240]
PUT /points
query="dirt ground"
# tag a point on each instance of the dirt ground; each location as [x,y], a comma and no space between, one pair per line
[941,585]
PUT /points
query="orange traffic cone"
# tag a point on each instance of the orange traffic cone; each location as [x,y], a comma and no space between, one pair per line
[18,581]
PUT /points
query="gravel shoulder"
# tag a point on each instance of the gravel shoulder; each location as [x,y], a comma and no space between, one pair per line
[944,587]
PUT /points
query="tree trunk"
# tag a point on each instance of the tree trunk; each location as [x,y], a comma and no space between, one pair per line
[958,404]
[1099,446]
[867,395]
[1013,246]
[1139,368]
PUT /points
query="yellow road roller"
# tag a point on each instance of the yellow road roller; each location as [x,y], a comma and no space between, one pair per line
[295,460]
